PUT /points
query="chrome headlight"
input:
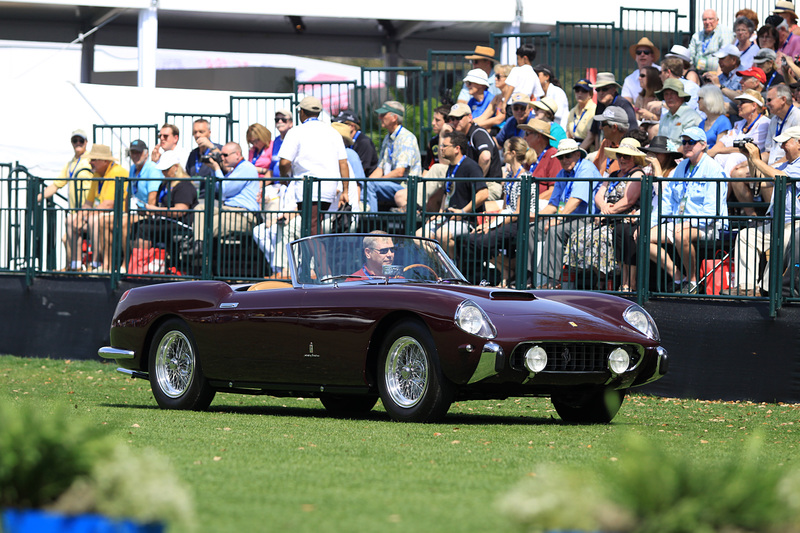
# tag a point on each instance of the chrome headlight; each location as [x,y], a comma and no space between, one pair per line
[472,319]
[641,321]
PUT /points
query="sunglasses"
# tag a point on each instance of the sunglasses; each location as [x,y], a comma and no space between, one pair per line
[500,76]
[78,140]
[643,52]
[223,154]
[688,142]
[519,107]
[604,89]
[624,156]
[281,119]
[453,119]
[165,136]
[642,75]
[564,156]
[384,251]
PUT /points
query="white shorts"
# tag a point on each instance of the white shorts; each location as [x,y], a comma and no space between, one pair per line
[704,233]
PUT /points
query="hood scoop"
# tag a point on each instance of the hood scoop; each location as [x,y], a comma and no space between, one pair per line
[519,296]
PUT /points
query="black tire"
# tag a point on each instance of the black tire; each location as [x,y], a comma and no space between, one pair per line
[176,377]
[348,405]
[596,407]
[411,384]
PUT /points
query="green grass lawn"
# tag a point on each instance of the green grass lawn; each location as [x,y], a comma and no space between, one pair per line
[258,463]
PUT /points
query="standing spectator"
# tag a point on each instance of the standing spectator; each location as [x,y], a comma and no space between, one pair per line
[552,89]
[522,78]
[76,168]
[201,131]
[459,196]
[545,167]
[483,58]
[753,242]
[362,144]
[438,121]
[607,87]
[706,42]
[100,221]
[315,149]
[283,123]
[168,137]
[260,140]
[716,122]
[580,117]
[692,198]
[545,109]
[482,148]
[568,198]
[645,54]
[520,105]
[238,192]
[495,114]
[478,86]
[743,29]
[678,116]
[650,82]
[399,158]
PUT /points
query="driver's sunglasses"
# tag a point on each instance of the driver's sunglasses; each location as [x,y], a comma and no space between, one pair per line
[384,251]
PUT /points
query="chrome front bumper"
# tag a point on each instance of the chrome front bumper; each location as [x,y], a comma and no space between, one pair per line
[108,352]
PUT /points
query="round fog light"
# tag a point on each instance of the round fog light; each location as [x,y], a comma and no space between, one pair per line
[535,359]
[618,361]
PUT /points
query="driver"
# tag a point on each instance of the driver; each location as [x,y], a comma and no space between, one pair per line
[378,251]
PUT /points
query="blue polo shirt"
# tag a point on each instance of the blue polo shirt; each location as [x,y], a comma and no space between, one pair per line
[564,190]
[144,182]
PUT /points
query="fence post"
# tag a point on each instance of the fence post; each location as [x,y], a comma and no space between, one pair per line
[31,226]
[643,244]
[305,212]
[116,230]
[209,183]
[523,225]
[411,205]
[776,246]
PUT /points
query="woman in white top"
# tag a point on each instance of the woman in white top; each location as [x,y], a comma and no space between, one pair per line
[754,125]
[552,88]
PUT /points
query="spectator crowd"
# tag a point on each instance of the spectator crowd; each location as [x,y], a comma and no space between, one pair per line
[719,118]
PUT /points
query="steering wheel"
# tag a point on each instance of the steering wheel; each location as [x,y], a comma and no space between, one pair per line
[420,265]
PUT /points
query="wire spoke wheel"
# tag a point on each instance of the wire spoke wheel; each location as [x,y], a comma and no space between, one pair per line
[406,372]
[175,364]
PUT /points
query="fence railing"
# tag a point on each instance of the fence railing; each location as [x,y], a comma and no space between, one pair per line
[637,253]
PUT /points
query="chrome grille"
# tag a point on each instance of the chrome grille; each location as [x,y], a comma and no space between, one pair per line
[573,356]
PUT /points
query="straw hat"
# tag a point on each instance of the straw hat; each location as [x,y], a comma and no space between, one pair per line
[604,79]
[101,152]
[546,104]
[567,146]
[628,146]
[482,52]
[343,130]
[644,42]
[539,126]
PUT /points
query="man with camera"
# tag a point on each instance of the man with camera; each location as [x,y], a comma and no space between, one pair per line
[754,241]
[237,190]
[198,163]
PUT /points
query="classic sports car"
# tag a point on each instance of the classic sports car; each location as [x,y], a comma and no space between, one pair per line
[370,316]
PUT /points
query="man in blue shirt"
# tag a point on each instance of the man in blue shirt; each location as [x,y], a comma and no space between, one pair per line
[752,242]
[238,193]
[688,209]
[521,113]
[144,177]
[570,197]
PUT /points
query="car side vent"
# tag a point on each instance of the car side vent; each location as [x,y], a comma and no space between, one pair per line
[511,295]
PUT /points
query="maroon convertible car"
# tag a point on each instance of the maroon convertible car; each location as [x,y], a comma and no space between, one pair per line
[370,316]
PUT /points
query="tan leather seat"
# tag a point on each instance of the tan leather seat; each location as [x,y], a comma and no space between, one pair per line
[269,284]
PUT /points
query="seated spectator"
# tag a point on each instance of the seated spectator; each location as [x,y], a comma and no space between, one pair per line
[765,59]
[260,140]
[678,116]
[788,44]
[495,114]
[689,73]
[272,235]
[663,156]
[726,78]
[432,155]
[399,158]
[168,138]
[614,124]
[767,37]
[754,125]
[77,173]
[672,67]
[645,54]
[545,109]
[751,15]
[101,198]
[482,148]
[483,58]
[743,30]
[546,166]
[707,42]
[362,144]
[693,199]
[521,113]
[553,229]
[238,191]
[712,104]
[144,176]
[785,10]
[522,78]
[784,117]
[458,196]
[650,83]
[752,78]
[649,128]
[283,123]
[477,83]
[754,242]
[201,132]
[590,248]
[499,233]
[580,117]
[552,89]
[606,87]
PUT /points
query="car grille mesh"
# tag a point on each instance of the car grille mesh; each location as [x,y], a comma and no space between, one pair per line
[573,356]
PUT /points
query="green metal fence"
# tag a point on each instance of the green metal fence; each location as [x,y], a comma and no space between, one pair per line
[119,138]
[218,124]
[247,110]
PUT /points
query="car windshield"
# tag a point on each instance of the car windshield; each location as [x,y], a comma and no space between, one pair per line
[380,257]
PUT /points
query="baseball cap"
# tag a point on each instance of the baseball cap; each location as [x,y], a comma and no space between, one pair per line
[79,133]
[614,115]
[311,103]
[764,55]
[391,107]
[728,50]
[138,146]
[695,133]
[459,110]
[478,76]
[788,133]
[347,116]
[755,72]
